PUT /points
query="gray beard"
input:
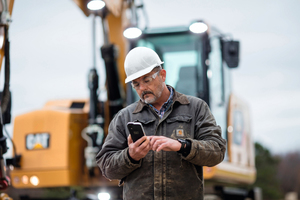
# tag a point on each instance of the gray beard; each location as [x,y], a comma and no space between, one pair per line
[154,96]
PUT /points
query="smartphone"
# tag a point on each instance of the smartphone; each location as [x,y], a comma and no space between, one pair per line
[136,130]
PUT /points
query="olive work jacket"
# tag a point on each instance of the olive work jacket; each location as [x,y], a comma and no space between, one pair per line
[164,175]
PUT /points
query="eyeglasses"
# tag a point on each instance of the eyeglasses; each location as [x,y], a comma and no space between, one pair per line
[146,81]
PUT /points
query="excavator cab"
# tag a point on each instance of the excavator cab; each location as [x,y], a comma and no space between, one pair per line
[181,52]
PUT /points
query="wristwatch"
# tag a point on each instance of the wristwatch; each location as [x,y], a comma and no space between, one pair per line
[185,148]
[183,145]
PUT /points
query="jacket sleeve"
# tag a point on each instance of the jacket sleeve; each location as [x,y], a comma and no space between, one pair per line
[113,158]
[207,147]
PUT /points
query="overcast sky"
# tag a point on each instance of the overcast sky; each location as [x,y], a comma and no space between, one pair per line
[51,55]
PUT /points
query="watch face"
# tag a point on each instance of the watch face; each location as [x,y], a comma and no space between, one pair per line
[183,145]
[181,140]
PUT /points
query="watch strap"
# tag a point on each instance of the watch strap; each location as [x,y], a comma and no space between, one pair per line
[185,147]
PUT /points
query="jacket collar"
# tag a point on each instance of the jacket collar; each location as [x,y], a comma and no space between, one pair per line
[178,97]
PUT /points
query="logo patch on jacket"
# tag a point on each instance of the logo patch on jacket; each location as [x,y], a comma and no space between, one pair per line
[179,132]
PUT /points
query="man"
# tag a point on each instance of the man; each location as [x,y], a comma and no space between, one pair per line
[181,137]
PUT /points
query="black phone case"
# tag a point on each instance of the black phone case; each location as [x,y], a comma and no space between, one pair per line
[136,131]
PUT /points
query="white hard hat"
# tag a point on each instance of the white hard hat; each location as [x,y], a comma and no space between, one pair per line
[140,61]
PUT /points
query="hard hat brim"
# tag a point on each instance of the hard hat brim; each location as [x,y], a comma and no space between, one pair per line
[142,72]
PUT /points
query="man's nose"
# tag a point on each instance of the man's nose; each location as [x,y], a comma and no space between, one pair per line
[142,86]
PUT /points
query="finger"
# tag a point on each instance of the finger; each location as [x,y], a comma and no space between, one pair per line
[156,145]
[129,139]
[153,140]
[149,138]
[145,150]
[141,140]
[143,144]
[162,147]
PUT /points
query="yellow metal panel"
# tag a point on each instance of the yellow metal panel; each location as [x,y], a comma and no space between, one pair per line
[240,153]
[116,37]
[209,172]
[231,173]
[62,163]
[76,145]
[229,131]
[47,178]
[82,5]
[239,168]
[227,172]
[114,6]
[43,121]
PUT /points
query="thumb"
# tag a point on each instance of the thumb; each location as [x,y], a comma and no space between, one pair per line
[129,139]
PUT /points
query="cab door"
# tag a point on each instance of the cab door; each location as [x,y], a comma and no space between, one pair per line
[216,74]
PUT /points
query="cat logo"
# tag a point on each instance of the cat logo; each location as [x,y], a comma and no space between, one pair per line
[37,141]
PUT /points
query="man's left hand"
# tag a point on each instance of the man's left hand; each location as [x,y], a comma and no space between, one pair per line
[164,143]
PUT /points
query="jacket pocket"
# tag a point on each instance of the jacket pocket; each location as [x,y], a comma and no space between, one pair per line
[179,118]
[180,126]
[148,125]
[145,121]
[198,172]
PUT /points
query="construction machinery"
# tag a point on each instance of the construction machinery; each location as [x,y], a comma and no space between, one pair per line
[56,145]
[5,115]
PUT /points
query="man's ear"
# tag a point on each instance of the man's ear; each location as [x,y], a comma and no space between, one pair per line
[163,74]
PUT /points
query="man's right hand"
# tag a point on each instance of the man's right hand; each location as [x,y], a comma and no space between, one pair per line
[138,149]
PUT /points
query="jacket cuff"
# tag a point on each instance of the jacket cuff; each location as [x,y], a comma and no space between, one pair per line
[131,161]
[192,153]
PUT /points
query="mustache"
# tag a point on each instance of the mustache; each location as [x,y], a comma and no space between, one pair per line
[146,92]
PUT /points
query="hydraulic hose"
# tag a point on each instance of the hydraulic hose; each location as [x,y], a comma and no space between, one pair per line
[6,94]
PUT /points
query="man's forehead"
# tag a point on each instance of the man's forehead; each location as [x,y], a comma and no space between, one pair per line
[142,77]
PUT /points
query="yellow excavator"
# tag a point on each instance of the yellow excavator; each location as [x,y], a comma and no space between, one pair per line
[56,145]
